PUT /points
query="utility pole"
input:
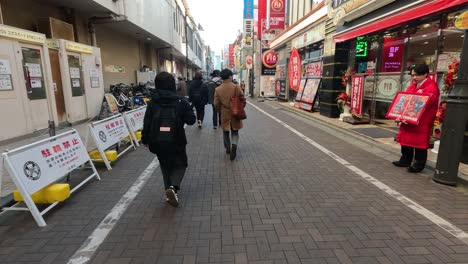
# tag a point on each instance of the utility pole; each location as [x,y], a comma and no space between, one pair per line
[453,128]
[186,45]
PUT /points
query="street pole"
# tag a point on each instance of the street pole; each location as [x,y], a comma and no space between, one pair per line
[186,45]
[453,128]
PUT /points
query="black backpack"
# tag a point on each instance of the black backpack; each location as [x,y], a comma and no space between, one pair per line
[166,123]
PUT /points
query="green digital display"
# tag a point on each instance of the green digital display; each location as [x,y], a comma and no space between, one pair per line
[361,48]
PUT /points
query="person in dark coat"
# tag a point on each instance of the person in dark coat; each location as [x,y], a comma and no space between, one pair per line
[414,139]
[198,95]
[211,86]
[172,156]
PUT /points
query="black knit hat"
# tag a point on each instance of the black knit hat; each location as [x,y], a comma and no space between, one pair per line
[165,81]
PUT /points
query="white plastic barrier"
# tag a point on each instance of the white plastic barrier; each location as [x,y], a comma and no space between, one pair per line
[42,163]
[109,132]
[134,120]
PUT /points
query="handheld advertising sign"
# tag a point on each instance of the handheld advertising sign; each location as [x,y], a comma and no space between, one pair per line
[408,107]
[134,120]
[37,165]
[107,133]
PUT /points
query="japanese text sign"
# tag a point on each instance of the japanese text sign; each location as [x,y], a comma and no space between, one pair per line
[269,60]
[294,69]
[357,93]
[408,107]
[110,132]
[135,118]
[313,70]
[48,162]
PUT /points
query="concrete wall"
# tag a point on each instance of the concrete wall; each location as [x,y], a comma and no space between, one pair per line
[120,50]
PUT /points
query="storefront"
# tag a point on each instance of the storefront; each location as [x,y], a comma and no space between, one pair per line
[25,82]
[384,50]
[80,85]
[310,47]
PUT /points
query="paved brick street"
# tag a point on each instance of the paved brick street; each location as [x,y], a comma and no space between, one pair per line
[281,201]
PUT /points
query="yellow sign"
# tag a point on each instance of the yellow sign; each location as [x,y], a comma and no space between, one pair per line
[53,44]
[78,47]
[462,21]
[22,35]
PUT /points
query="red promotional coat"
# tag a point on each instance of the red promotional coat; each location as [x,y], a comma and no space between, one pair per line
[418,136]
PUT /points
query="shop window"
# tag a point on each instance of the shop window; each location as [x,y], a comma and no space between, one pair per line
[423,45]
[75,75]
[451,43]
[33,73]
[366,53]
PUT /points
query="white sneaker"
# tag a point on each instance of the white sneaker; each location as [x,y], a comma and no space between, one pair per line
[171,197]
[199,124]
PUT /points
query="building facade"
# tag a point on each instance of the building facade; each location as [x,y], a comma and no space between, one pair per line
[60,57]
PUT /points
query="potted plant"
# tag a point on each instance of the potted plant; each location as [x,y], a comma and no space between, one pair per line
[344,104]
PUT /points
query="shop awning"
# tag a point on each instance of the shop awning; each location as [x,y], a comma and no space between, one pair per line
[396,18]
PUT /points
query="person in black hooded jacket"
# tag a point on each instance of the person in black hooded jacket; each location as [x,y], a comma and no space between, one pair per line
[198,95]
[172,156]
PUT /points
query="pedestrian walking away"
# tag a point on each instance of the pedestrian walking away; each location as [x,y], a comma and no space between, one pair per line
[198,96]
[182,87]
[211,86]
[164,134]
[230,125]
[414,139]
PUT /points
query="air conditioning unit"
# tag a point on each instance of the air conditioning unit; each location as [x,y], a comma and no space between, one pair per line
[54,28]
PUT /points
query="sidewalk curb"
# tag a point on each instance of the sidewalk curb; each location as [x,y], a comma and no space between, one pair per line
[431,166]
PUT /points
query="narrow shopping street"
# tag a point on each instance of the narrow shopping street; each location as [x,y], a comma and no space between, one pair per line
[283,200]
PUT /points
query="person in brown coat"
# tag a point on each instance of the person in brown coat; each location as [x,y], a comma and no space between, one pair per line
[223,95]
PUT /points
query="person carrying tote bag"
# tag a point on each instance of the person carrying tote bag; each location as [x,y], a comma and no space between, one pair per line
[230,101]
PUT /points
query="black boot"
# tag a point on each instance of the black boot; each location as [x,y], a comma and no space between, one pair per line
[416,167]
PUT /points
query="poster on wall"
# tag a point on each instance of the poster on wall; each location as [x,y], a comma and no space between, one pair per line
[313,70]
[280,88]
[5,82]
[281,70]
[310,90]
[357,91]
[269,60]
[75,73]
[268,86]
[5,67]
[34,70]
[408,107]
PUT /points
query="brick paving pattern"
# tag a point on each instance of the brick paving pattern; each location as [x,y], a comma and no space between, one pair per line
[280,201]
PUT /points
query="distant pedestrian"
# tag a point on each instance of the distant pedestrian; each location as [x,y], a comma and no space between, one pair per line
[414,139]
[230,125]
[198,95]
[242,86]
[211,85]
[182,88]
[164,134]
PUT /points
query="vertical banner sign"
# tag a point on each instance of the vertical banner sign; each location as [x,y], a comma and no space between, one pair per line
[248,32]
[248,62]
[294,70]
[231,56]
[269,59]
[261,17]
[248,9]
[277,16]
[392,56]
[357,92]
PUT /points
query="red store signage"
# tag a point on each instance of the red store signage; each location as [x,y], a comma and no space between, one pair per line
[231,56]
[277,16]
[313,69]
[294,70]
[357,91]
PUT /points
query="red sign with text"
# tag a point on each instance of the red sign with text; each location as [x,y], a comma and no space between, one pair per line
[357,92]
[277,17]
[231,56]
[294,70]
